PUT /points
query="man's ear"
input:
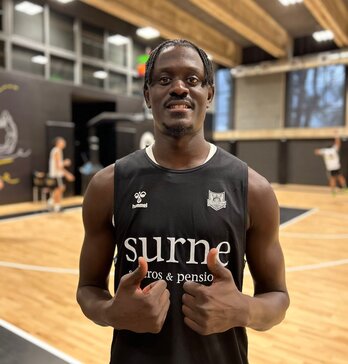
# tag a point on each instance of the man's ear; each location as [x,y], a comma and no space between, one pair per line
[211,93]
[147,98]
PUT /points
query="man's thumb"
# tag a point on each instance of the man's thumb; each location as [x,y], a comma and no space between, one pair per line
[215,266]
[135,278]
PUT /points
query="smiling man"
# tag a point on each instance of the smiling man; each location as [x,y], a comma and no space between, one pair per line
[184,215]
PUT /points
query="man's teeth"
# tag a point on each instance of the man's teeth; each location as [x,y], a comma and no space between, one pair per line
[178,107]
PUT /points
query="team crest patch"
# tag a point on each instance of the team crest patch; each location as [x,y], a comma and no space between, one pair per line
[216,200]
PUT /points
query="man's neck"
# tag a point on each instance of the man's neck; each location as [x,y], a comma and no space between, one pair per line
[182,153]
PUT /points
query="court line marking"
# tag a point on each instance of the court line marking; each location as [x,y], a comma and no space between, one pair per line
[333,263]
[38,268]
[41,344]
[298,218]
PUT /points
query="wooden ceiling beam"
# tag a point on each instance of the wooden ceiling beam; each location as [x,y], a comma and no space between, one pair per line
[172,22]
[249,20]
[331,15]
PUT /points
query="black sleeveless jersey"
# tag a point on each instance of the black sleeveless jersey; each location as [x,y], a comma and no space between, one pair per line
[173,218]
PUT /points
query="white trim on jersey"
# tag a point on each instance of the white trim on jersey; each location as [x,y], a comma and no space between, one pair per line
[212,151]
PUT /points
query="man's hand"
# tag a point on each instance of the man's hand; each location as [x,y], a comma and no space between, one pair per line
[69,176]
[216,308]
[136,309]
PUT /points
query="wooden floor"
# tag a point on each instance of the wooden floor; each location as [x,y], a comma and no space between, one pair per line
[315,330]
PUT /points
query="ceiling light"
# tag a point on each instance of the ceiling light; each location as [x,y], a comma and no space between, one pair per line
[65,1]
[100,74]
[118,39]
[148,33]
[290,2]
[210,57]
[323,35]
[39,59]
[29,8]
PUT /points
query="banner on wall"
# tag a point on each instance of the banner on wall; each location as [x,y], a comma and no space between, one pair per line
[14,157]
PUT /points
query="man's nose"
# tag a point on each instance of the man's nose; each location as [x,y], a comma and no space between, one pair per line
[179,87]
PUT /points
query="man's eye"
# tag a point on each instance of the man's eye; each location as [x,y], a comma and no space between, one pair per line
[164,80]
[193,80]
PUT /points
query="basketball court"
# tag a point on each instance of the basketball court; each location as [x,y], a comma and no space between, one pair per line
[39,269]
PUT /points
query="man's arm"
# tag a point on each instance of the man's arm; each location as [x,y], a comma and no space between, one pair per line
[264,256]
[221,306]
[98,247]
[337,142]
[132,308]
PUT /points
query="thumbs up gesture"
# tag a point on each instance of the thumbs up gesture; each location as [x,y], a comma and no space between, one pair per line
[215,308]
[136,309]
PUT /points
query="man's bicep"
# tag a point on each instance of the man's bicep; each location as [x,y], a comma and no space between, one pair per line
[98,245]
[263,250]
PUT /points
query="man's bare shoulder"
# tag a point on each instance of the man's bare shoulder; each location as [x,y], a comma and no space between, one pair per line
[258,184]
[262,202]
[98,199]
[103,179]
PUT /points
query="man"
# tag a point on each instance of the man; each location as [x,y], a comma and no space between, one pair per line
[183,214]
[58,171]
[332,163]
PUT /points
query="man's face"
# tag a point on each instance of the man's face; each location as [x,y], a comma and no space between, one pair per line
[61,143]
[177,97]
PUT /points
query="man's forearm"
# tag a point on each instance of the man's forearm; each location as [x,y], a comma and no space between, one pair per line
[92,301]
[267,310]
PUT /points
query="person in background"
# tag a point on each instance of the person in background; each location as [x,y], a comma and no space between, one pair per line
[332,163]
[58,171]
[184,216]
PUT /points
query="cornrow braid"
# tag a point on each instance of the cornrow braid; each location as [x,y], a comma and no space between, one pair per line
[208,67]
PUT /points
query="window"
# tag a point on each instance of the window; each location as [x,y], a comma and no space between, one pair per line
[61,31]
[91,76]
[2,54]
[27,24]
[62,69]
[223,100]
[315,97]
[137,86]
[118,82]
[138,50]
[92,41]
[117,54]
[27,60]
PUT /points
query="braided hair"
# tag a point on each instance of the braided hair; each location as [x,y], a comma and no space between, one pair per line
[208,68]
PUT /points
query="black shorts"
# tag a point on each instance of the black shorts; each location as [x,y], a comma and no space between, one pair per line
[335,172]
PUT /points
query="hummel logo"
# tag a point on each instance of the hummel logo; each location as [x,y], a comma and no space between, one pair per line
[139,197]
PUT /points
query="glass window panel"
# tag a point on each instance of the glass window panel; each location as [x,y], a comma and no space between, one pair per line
[92,41]
[22,61]
[223,97]
[118,82]
[29,26]
[138,50]
[137,86]
[118,54]
[62,69]
[2,54]
[61,31]
[316,97]
[88,77]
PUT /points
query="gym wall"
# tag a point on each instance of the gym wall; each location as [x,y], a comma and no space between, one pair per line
[26,104]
